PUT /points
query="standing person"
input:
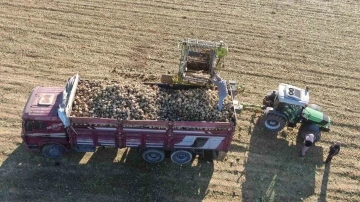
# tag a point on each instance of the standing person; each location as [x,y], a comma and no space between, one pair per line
[311,134]
[334,150]
[222,89]
[308,142]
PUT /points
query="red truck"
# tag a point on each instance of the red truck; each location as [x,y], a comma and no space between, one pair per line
[49,127]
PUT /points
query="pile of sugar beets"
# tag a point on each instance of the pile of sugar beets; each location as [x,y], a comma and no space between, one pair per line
[138,101]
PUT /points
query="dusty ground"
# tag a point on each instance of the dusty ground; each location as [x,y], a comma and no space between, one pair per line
[313,43]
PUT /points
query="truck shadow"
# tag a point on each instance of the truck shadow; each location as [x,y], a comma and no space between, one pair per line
[107,174]
[274,171]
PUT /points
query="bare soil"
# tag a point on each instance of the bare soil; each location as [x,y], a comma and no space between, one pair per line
[304,43]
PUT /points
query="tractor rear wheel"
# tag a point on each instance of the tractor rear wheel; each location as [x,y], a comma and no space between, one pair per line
[274,122]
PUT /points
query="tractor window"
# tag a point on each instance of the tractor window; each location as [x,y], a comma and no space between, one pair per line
[292,112]
[281,106]
[35,125]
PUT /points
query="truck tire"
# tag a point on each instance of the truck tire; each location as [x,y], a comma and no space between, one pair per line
[274,122]
[53,151]
[153,155]
[181,157]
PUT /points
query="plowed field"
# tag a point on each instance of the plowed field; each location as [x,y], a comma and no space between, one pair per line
[303,43]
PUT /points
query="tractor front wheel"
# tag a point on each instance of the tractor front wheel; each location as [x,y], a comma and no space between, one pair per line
[274,122]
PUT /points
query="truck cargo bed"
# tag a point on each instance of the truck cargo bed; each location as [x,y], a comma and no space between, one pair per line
[149,102]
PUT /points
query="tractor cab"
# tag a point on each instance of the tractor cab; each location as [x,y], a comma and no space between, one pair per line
[291,100]
[293,95]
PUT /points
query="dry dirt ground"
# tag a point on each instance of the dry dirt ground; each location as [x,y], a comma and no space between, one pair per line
[306,43]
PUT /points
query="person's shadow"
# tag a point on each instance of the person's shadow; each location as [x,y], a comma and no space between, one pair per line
[324,183]
[107,174]
[274,171]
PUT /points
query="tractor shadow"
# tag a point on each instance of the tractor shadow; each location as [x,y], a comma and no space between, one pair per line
[274,171]
[107,174]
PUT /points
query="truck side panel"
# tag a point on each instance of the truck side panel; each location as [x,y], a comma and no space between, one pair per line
[215,140]
[153,138]
[106,136]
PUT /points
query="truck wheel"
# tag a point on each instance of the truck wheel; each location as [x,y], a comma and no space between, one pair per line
[274,122]
[181,157]
[53,151]
[153,155]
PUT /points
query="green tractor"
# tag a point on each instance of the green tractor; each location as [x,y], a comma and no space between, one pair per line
[288,106]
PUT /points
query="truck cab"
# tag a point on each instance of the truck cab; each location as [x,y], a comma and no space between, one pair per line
[40,121]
